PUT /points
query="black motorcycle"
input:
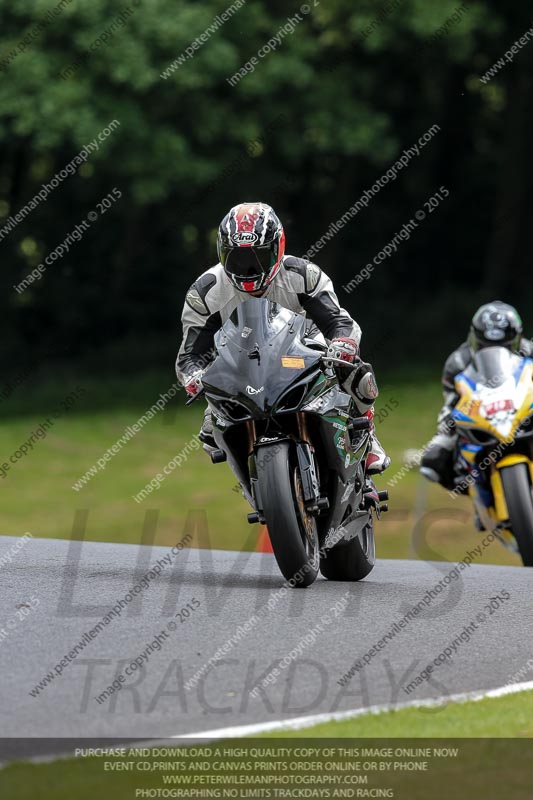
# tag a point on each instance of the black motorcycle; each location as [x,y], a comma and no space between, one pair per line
[290,436]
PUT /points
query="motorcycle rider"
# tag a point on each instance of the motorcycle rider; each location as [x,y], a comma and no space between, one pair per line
[495,324]
[252,263]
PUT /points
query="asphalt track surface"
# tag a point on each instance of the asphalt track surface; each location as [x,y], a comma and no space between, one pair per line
[77,583]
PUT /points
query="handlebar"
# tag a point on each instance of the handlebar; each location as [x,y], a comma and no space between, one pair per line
[194,397]
[327,361]
[330,362]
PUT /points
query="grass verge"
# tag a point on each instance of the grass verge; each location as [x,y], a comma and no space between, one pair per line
[502,718]
[423,521]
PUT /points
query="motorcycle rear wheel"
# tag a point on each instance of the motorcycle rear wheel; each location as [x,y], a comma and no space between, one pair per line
[352,560]
[519,499]
[292,531]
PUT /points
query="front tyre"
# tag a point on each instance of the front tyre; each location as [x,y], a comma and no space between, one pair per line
[519,499]
[292,531]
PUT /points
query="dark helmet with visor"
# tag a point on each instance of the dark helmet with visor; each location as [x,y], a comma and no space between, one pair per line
[496,325]
[251,245]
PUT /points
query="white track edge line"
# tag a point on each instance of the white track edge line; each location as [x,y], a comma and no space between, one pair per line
[296,723]
[300,723]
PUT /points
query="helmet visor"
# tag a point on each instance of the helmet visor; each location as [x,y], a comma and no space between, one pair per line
[248,262]
[496,337]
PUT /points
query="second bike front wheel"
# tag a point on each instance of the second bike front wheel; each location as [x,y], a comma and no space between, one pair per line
[519,499]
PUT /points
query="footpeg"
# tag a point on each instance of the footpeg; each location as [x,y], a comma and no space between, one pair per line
[359,424]
[318,506]
[370,500]
[384,507]
[218,456]
[256,516]
[384,495]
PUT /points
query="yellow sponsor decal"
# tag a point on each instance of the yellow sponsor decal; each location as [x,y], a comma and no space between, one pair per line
[292,362]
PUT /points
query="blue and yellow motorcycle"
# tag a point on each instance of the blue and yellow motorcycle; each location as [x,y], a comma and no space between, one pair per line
[494,419]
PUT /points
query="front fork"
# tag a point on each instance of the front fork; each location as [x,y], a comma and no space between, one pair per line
[491,504]
[314,503]
[500,503]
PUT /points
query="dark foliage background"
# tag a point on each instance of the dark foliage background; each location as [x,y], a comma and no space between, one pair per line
[314,125]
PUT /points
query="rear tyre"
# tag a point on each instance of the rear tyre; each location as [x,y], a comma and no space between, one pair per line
[519,498]
[292,531]
[353,560]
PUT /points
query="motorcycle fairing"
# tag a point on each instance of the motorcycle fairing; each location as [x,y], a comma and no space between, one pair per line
[501,409]
[253,347]
[256,361]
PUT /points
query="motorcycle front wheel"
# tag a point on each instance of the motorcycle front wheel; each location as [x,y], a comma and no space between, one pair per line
[292,531]
[519,499]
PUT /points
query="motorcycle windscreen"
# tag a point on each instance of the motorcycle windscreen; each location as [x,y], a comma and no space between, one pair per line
[256,322]
[260,354]
[494,365]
